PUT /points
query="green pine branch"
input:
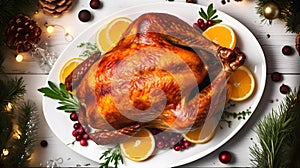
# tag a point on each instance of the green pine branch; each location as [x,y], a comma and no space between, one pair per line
[22,141]
[11,91]
[279,135]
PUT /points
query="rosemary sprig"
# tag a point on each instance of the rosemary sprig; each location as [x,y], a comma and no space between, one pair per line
[111,155]
[209,14]
[90,49]
[68,101]
[235,115]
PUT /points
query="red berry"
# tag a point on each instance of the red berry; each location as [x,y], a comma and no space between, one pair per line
[73,116]
[80,131]
[86,136]
[187,143]
[200,21]
[74,133]
[287,50]
[83,142]
[160,144]
[202,26]
[177,148]
[76,126]
[210,23]
[284,89]
[78,137]
[84,15]
[225,157]
[95,4]
[276,77]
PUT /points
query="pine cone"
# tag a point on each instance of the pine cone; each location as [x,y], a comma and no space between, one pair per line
[55,8]
[22,32]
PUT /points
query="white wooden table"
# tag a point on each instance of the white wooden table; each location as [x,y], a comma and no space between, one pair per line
[244,11]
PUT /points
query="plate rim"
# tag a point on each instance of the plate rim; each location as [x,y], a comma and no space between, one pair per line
[182,5]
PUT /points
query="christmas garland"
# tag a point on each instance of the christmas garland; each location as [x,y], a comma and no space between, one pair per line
[279,136]
[18,124]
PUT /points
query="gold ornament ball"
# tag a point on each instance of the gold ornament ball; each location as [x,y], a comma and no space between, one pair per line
[270,10]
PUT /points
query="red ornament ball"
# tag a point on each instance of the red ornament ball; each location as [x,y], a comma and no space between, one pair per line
[225,157]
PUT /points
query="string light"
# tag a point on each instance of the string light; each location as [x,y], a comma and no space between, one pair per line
[5,152]
[51,28]
[8,107]
[19,58]
[17,134]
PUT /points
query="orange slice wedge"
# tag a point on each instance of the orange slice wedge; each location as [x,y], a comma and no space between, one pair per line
[242,83]
[139,147]
[109,36]
[197,136]
[222,35]
[68,67]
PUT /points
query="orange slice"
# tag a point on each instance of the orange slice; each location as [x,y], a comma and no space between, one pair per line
[68,67]
[198,137]
[243,84]
[140,146]
[222,35]
[109,36]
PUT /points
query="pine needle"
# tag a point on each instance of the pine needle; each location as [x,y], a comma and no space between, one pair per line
[277,134]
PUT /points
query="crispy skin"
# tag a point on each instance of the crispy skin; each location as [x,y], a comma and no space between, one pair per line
[148,78]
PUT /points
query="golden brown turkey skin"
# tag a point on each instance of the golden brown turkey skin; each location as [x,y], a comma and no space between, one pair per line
[147,79]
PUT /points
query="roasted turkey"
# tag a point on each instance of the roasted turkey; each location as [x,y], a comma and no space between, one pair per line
[162,74]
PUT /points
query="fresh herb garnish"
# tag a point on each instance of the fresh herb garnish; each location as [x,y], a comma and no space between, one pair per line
[235,115]
[90,49]
[209,14]
[68,101]
[111,155]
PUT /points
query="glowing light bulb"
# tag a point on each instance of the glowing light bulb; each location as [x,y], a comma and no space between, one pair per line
[50,29]
[5,152]
[19,58]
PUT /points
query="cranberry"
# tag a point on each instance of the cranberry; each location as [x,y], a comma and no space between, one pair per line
[202,26]
[276,77]
[225,157]
[84,15]
[86,136]
[78,137]
[74,133]
[95,4]
[73,116]
[83,142]
[187,143]
[160,144]
[77,126]
[287,50]
[80,131]
[200,21]
[177,148]
[210,23]
[284,89]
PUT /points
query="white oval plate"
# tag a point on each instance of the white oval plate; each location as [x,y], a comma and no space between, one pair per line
[61,125]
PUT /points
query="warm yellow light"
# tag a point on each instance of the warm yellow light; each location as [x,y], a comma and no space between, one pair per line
[17,134]
[268,10]
[19,58]
[8,107]
[50,29]
[5,152]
